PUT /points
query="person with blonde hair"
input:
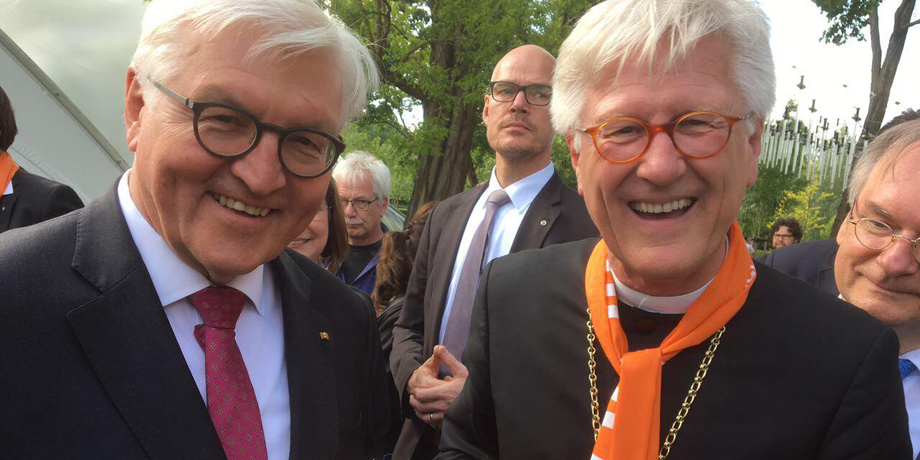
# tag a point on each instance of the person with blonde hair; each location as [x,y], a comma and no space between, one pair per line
[168,319]
[663,339]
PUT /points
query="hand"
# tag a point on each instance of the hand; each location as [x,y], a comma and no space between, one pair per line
[430,402]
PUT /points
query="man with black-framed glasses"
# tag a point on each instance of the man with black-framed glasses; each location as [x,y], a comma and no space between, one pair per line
[524,205]
[168,319]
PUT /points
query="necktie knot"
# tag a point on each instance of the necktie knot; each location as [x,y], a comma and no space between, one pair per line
[906,367]
[498,199]
[219,306]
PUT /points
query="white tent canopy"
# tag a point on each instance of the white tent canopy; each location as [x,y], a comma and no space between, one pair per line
[55,139]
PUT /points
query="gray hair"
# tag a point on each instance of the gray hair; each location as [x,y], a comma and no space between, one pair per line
[357,165]
[617,30]
[885,149]
[291,28]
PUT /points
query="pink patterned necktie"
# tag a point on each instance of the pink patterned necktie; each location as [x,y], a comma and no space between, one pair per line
[231,399]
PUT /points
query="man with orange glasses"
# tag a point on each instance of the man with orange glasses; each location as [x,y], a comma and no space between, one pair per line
[663,338]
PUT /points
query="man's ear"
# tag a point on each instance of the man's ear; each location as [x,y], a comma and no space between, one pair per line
[575,157]
[134,106]
[485,109]
[754,141]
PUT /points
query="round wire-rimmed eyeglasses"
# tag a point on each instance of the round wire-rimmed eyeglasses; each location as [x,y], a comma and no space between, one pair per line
[876,235]
[228,132]
[695,135]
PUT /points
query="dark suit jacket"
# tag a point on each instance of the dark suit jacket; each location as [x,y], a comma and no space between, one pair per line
[798,375]
[812,262]
[91,369]
[35,199]
[557,215]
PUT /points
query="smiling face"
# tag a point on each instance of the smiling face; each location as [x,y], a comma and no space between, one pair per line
[885,283]
[184,192]
[518,130]
[312,240]
[665,217]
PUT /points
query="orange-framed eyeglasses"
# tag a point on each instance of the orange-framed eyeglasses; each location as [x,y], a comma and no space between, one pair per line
[695,135]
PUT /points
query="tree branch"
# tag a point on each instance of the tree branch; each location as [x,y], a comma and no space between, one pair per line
[876,42]
[913,23]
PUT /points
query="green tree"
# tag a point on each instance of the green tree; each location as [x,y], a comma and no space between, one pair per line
[848,19]
[438,55]
[762,202]
[809,206]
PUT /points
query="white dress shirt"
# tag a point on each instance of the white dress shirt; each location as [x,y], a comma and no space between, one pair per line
[259,331]
[505,224]
[9,189]
[912,400]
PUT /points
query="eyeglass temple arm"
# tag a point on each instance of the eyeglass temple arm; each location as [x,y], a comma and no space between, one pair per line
[184,100]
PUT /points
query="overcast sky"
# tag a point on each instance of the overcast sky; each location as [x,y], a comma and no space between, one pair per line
[85,47]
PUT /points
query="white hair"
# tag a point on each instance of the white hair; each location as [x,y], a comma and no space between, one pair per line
[884,151]
[357,165]
[291,28]
[631,31]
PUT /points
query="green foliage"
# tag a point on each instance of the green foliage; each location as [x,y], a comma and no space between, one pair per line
[847,18]
[763,201]
[814,207]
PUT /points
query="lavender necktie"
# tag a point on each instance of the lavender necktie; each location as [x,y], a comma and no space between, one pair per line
[458,325]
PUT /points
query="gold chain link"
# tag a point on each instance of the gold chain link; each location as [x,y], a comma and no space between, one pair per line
[684,408]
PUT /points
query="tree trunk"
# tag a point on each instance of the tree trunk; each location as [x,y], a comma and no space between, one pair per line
[882,78]
[444,175]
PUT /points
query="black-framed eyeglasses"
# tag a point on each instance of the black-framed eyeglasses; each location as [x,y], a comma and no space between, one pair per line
[877,235]
[505,91]
[783,237]
[695,135]
[359,204]
[228,132]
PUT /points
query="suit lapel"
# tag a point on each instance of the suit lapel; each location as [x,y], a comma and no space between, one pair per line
[310,364]
[826,278]
[448,245]
[6,203]
[540,217]
[129,343]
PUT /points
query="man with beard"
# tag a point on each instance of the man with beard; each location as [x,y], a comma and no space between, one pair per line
[524,205]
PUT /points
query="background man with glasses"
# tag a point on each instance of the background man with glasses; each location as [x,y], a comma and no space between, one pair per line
[664,337]
[166,319]
[524,205]
[786,231]
[364,186]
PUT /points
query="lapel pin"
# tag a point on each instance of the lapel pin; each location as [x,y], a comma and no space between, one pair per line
[543,223]
[324,336]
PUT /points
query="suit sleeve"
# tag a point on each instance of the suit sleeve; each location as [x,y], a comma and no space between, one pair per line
[871,421]
[408,332]
[61,200]
[378,403]
[469,430]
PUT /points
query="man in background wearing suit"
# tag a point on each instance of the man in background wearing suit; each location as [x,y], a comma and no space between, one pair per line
[813,261]
[25,198]
[663,338]
[524,205]
[876,259]
[166,319]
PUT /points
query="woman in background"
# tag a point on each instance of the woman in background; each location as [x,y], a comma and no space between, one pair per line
[325,241]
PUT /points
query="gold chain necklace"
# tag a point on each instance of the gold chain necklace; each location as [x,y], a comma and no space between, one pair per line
[684,408]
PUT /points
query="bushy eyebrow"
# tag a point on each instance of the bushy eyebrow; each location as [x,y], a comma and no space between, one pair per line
[214,93]
[877,209]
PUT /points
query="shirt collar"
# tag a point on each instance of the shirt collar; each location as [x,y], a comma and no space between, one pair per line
[9,189]
[655,304]
[913,356]
[523,192]
[172,278]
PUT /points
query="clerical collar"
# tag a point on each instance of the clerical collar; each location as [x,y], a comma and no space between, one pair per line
[676,305]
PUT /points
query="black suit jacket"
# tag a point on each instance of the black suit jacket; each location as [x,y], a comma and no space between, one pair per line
[557,215]
[812,262]
[35,199]
[798,375]
[91,369]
